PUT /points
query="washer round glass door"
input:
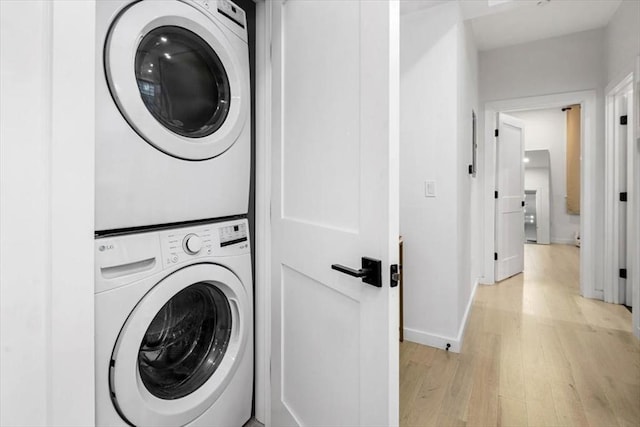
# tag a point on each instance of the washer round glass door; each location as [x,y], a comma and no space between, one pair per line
[177,79]
[185,342]
[180,346]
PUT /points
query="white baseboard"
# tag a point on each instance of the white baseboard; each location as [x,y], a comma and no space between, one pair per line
[432,340]
[563,241]
[484,281]
[440,341]
[594,294]
[465,318]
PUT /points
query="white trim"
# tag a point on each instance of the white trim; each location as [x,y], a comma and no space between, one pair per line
[611,204]
[489,199]
[563,241]
[439,341]
[71,351]
[432,340]
[263,214]
[635,199]
[589,229]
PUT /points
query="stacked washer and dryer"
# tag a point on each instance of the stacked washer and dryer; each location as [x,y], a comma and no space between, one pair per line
[173,287]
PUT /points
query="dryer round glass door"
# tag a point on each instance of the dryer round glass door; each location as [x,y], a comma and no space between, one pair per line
[182,82]
[180,346]
[178,77]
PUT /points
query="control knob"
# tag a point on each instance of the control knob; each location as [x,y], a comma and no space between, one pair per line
[192,244]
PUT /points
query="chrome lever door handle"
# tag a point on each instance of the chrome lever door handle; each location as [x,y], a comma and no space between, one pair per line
[371,271]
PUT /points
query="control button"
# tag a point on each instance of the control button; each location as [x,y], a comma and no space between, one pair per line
[192,244]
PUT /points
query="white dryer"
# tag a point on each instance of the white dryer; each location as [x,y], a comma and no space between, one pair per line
[173,128]
[174,327]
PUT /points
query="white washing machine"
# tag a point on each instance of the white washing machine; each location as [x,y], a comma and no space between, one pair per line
[173,128]
[174,327]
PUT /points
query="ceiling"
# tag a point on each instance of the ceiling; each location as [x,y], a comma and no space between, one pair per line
[511,22]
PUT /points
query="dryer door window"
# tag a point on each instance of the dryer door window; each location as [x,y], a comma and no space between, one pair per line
[185,342]
[182,81]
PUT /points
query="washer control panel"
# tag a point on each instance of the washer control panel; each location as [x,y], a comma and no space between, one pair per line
[192,243]
[221,239]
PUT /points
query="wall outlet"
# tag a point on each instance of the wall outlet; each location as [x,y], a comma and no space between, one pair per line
[429,189]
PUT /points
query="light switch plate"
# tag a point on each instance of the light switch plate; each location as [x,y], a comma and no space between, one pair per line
[429,189]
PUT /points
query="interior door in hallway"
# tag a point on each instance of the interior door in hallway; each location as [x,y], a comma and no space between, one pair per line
[509,197]
[335,142]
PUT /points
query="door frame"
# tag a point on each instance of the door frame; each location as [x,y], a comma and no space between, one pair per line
[590,229]
[612,206]
[635,198]
[262,285]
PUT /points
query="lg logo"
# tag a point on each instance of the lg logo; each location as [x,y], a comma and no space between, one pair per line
[106,247]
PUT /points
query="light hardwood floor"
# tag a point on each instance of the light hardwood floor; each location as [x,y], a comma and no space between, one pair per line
[535,353]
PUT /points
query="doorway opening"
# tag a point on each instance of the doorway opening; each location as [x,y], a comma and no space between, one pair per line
[531,215]
[551,184]
[583,227]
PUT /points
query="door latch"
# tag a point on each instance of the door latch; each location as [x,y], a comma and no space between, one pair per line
[395,275]
[371,271]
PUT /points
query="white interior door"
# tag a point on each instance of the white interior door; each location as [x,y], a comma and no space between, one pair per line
[335,136]
[510,197]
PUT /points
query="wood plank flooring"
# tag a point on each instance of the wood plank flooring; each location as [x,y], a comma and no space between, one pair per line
[535,353]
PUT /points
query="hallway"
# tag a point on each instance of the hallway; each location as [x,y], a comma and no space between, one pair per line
[534,353]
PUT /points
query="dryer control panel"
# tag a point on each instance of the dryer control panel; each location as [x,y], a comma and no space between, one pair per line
[218,239]
[231,11]
[227,13]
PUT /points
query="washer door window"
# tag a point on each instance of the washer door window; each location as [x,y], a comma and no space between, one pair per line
[177,79]
[185,342]
[180,346]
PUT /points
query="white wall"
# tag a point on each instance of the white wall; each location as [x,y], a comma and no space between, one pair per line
[547,130]
[557,65]
[46,213]
[469,189]
[623,41]
[438,90]
[23,285]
